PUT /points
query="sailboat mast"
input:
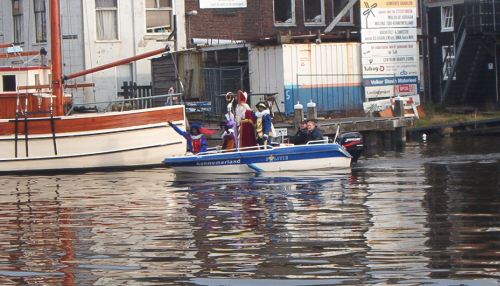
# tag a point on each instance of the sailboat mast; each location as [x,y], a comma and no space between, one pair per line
[56,56]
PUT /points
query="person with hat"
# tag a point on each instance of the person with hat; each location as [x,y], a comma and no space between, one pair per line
[196,140]
[228,137]
[245,121]
[264,123]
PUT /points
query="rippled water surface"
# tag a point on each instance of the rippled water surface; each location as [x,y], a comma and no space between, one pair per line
[427,215]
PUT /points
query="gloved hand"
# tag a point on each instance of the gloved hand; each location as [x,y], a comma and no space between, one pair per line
[170,123]
[265,136]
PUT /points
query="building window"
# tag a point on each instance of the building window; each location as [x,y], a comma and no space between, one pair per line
[284,12]
[347,19]
[106,20]
[314,13]
[17,17]
[40,21]
[9,82]
[448,61]
[446,18]
[158,16]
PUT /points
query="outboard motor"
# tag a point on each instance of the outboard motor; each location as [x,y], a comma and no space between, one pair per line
[353,143]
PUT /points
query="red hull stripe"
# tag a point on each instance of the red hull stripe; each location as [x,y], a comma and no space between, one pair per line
[83,124]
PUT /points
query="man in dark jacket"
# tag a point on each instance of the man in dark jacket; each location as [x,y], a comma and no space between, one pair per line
[300,137]
[313,132]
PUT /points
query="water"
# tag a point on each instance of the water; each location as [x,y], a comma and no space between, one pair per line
[427,215]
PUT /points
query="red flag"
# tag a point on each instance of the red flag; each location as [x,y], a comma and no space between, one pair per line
[208,131]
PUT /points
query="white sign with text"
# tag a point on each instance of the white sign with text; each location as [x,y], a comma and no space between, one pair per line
[221,4]
[389,35]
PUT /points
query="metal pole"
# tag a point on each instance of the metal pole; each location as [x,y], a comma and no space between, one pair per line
[117,63]
[496,71]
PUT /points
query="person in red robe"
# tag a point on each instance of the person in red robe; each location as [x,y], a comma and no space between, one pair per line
[247,130]
[245,120]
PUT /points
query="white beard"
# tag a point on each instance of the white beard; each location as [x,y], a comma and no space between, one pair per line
[240,111]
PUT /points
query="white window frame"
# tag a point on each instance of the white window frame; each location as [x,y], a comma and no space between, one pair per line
[447,21]
[18,26]
[117,28]
[343,23]
[168,29]
[447,64]
[278,24]
[40,30]
[322,23]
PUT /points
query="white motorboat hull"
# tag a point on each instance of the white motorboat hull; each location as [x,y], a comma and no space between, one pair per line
[290,158]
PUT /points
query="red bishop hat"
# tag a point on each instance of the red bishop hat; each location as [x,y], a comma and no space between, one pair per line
[242,96]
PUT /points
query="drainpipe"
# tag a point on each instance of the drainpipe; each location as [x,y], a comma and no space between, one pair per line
[134,43]
[426,49]
[496,49]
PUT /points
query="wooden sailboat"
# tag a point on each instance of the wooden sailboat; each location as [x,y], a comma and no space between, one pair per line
[36,134]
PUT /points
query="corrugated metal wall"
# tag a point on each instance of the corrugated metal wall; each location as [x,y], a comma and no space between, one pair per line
[266,72]
[329,74]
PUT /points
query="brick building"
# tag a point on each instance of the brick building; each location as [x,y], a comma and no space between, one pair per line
[269,20]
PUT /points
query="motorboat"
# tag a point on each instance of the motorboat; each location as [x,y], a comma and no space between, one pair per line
[315,155]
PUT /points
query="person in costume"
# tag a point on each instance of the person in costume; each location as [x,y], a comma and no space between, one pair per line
[228,137]
[245,121]
[196,140]
[264,124]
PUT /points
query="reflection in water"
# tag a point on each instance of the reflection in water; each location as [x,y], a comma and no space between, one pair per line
[430,214]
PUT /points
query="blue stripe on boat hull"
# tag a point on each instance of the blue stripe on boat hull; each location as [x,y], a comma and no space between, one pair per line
[256,160]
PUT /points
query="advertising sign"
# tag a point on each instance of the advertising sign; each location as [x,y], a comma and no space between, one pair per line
[389,35]
[383,87]
[383,50]
[388,13]
[379,105]
[220,4]
[389,50]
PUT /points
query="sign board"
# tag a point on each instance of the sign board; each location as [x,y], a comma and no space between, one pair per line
[198,106]
[222,4]
[388,13]
[389,49]
[389,35]
[376,88]
[396,69]
[281,132]
[379,105]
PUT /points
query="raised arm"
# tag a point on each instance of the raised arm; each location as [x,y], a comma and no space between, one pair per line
[178,130]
